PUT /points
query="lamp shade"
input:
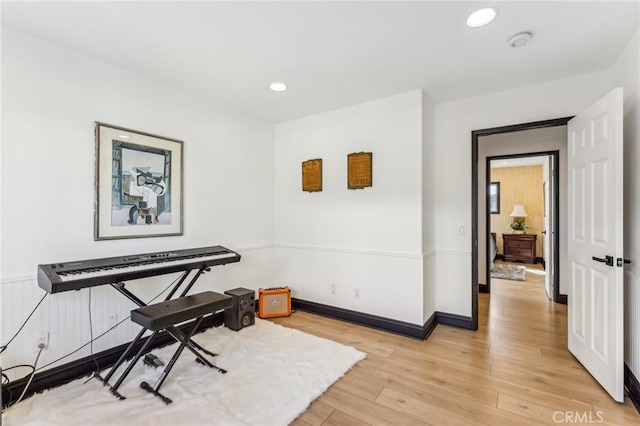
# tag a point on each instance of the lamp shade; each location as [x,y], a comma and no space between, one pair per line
[519,211]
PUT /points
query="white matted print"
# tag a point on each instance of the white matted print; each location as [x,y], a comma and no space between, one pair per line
[138,184]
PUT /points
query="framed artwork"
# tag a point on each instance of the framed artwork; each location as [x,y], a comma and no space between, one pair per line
[494,198]
[312,175]
[138,184]
[359,170]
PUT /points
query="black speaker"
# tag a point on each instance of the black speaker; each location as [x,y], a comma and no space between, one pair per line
[242,312]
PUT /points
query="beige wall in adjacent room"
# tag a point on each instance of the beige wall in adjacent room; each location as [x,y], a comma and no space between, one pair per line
[519,185]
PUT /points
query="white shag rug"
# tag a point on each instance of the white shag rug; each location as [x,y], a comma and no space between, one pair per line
[274,373]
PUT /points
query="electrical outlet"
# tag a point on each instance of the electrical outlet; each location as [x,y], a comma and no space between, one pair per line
[461,229]
[113,320]
[42,341]
[333,289]
[356,293]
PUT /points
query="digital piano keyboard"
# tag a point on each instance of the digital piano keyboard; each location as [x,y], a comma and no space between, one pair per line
[65,276]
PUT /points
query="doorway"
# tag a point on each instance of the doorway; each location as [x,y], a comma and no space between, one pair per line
[522,184]
[479,228]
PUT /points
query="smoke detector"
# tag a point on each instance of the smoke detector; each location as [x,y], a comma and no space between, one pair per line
[520,39]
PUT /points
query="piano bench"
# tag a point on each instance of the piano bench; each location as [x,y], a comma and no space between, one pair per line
[165,314]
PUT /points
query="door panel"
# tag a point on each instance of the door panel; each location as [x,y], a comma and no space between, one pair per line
[595,303]
[600,291]
[578,218]
[578,286]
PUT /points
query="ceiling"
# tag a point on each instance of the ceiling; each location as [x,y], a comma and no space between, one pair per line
[333,54]
[517,162]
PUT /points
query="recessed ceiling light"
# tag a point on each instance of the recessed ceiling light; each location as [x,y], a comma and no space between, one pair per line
[505,162]
[481,17]
[278,87]
[124,136]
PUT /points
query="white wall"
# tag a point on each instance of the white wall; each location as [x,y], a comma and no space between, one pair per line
[51,97]
[527,141]
[454,122]
[626,72]
[370,238]
[428,208]
[397,242]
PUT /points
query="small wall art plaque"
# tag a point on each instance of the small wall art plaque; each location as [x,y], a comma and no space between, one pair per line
[312,175]
[359,170]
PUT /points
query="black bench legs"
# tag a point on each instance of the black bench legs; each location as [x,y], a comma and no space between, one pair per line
[164,316]
[184,342]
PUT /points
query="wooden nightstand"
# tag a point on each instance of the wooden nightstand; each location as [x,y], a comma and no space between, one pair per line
[519,247]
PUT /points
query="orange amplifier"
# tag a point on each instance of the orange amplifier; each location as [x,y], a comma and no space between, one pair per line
[274,302]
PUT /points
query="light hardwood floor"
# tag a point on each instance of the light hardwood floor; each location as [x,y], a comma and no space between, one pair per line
[515,370]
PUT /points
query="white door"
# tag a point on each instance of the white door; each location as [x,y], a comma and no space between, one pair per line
[546,231]
[595,297]
[553,203]
[550,236]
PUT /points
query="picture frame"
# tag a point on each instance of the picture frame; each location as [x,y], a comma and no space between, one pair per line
[312,175]
[138,184]
[493,196]
[359,170]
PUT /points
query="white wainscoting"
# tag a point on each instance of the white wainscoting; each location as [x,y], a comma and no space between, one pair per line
[632,322]
[65,316]
[429,285]
[453,278]
[390,283]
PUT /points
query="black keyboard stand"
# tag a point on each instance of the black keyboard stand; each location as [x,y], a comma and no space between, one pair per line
[185,340]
